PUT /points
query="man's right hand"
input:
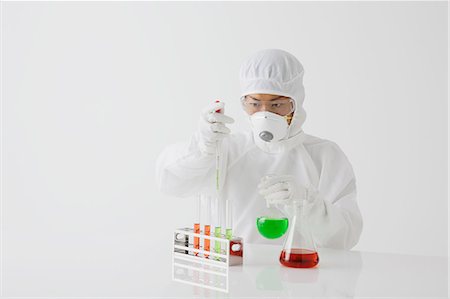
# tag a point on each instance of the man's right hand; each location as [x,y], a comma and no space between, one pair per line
[212,127]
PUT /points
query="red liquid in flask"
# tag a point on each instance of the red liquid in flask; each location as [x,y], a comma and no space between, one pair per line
[299,258]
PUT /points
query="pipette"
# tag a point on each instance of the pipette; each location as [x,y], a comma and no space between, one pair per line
[218,156]
[228,221]
[218,229]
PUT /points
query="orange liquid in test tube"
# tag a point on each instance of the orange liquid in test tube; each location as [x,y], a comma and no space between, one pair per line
[207,241]
[196,239]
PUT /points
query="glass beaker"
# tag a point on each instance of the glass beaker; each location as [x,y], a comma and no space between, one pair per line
[299,250]
[273,225]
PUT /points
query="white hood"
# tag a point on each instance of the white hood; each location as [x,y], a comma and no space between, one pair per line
[274,71]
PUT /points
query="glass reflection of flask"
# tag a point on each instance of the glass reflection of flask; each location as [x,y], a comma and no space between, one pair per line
[299,250]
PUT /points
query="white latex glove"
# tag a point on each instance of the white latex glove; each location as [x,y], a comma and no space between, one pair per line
[212,127]
[283,192]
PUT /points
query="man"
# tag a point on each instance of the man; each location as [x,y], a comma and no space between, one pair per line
[275,163]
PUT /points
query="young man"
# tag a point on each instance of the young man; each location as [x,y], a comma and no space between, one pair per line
[302,169]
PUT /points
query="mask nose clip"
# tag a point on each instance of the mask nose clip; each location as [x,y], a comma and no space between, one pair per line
[266,136]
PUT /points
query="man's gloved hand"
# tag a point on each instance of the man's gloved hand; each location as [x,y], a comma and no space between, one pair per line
[212,127]
[284,193]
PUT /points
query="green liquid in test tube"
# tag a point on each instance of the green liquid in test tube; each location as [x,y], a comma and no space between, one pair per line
[229,233]
[217,234]
[218,227]
[228,220]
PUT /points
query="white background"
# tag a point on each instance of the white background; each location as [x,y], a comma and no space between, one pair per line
[92,92]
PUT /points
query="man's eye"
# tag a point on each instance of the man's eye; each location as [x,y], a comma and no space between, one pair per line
[277,105]
[254,104]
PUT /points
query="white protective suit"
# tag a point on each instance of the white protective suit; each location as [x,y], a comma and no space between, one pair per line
[335,220]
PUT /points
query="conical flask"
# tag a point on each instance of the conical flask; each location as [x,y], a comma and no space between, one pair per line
[299,250]
[273,224]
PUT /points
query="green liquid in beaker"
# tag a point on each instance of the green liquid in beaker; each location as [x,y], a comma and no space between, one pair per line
[272,228]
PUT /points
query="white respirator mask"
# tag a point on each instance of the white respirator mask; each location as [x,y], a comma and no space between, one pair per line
[268,126]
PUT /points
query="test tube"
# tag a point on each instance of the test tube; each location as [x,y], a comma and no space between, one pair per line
[207,221]
[197,223]
[218,228]
[228,220]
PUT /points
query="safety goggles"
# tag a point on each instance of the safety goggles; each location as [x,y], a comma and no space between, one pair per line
[281,107]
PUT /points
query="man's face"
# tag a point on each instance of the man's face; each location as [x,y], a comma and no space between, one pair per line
[280,105]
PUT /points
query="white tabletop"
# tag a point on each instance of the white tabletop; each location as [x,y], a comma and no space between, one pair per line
[148,273]
[340,273]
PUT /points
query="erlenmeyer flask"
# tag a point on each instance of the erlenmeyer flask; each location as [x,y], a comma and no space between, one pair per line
[272,225]
[299,250]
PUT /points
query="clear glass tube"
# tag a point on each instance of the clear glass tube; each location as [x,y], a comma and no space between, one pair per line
[197,222]
[229,220]
[207,222]
[218,224]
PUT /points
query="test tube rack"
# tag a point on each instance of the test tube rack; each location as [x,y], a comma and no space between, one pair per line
[198,267]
